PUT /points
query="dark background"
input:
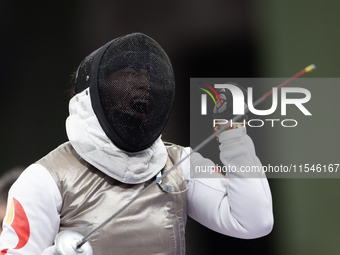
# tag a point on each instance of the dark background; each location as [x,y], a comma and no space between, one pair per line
[43,42]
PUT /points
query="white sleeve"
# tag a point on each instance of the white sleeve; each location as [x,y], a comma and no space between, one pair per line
[239,205]
[32,215]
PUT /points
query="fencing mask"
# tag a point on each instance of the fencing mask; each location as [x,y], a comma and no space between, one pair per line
[132,89]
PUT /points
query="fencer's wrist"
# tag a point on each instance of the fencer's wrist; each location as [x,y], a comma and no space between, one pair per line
[225,137]
[227,127]
[234,125]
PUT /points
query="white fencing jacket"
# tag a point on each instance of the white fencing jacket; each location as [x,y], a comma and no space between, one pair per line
[237,205]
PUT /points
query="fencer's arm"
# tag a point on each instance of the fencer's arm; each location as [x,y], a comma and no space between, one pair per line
[32,223]
[237,206]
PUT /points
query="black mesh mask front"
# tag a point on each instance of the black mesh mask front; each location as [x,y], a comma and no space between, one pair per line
[132,89]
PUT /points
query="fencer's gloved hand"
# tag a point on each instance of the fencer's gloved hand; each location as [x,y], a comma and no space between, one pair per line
[50,251]
[66,244]
[225,111]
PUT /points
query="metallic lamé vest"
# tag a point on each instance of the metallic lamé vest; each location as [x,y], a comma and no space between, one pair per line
[153,224]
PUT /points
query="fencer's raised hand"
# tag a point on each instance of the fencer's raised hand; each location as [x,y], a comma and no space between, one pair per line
[225,110]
